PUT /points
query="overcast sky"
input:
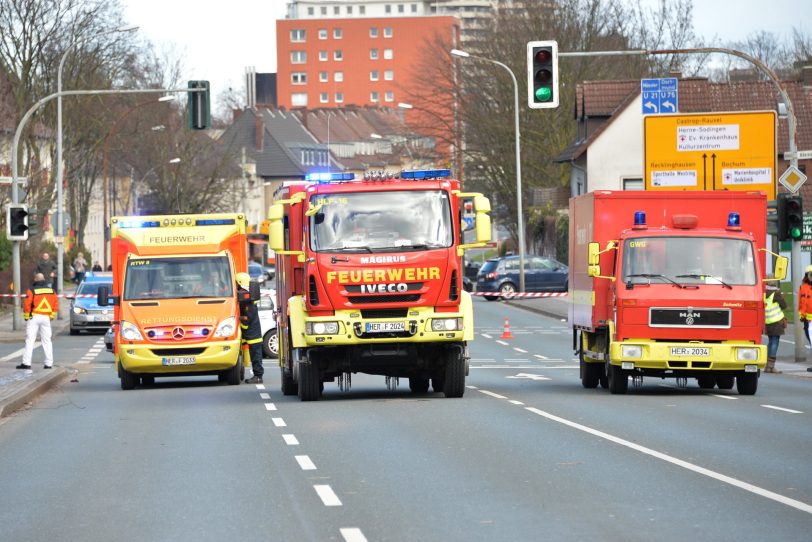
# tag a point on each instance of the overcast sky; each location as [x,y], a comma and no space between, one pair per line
[217,44]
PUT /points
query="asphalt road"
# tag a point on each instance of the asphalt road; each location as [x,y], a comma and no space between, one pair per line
[526,454]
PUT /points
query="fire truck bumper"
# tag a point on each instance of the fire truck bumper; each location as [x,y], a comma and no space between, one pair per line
[677,356]
[150,359]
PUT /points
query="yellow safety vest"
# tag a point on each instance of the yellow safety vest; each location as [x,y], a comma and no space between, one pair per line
[772,310]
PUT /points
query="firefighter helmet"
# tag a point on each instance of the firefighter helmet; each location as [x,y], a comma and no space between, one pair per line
[808,269]
[243,279]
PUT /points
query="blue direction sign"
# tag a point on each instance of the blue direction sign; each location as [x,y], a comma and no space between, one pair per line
[659,96]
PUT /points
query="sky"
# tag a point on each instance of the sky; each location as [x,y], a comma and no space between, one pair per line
[218,44]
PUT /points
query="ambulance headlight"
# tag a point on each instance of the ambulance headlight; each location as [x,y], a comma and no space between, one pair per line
[226,328]
[747,354]
[129,332]
[631,351]
[446,324]
[321,328]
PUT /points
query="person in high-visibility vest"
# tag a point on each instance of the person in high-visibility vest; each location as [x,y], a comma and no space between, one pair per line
[251,328]
[39,308]
[774,321]
[805,302]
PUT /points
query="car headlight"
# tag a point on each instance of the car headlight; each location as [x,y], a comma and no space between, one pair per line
[226,328]
[631,351]
[747,354]
[446,324]
[129,332]
[321,328]
[79,310]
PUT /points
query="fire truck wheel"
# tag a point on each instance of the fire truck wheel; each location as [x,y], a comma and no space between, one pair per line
[706,382]
[309,381]
[725,382]
[618,380]
[590,374]
[747,383]
[233,374]
[418,384]
[128,379]
[454,385]
[289,386]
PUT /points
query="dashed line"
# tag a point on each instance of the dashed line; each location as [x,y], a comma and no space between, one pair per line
[305,463]
[270,406]
[327,495]
[540,356]
[782,409]
[260,386]
[486,336]
[514,402]
[264,395]
[516,360]
[520,350]
[503,343]
[723,396]
[353,534]
[492,394]
[290,440]
[471,387]
[279,422]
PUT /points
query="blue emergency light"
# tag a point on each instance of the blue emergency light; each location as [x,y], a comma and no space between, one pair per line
[214,222]
[325,176]
[139,224]
[734,220]
[639,218]
[426,174]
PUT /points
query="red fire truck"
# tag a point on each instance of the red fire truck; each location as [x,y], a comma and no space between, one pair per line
[369,279]
[669,284]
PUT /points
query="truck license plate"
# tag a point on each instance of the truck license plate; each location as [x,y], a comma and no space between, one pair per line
[190,360]
[695,352]
[385,327]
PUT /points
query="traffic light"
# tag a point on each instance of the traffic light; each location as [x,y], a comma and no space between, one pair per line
[17,222]
[790,217]
[542,74]
[198,106]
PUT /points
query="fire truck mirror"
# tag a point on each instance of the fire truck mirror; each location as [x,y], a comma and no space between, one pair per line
[593,270]
[482,204]
[483,228]
[780,268]
[594,254]
[276,212]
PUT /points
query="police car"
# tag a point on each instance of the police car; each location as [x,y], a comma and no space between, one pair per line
[85,312]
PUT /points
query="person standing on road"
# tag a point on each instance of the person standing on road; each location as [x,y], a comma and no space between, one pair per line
[805,302]
[251,329]
[79,267]
[39,308]
[774,321]
[47,267]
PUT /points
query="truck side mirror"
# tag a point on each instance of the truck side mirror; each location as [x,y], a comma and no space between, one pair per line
[482,206]
[102,296]
[276,227]
[780,271]
[594,254]
[253,290]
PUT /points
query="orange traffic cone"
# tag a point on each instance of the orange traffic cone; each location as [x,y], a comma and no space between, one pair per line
[506,333]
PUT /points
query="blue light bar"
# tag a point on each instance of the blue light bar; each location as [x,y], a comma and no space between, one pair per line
[639,218]
[325,176]
[734,220]
[139,224]
[425,174]
[214,221]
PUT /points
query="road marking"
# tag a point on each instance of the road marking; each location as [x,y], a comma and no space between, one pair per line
[529,376]
[260,386]
[18,353]
[279,422]
[540,356]
[482,360]
[327,496]
[353,534]
[515,402]
[471,387]
[290,440]
[305,463]
[503,343]
[802,506]
[504,367]
[782,409]
[495,395]
[486,335]
[723,396]
[264,395]
[516,360]
[270,406]
[520,350]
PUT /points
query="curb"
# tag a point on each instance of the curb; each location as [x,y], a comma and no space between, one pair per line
[31,391]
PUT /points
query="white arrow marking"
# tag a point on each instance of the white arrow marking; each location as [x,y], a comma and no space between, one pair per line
[669,105]
[529,376]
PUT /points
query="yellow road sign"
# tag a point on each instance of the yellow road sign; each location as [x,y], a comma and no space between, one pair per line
[710,151]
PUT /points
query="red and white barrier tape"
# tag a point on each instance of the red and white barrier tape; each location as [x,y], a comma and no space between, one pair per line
[57,295]
[521,294]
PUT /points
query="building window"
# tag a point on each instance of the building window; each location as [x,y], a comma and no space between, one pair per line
[338,55]
[389,96]
[322,33]
[298,57]
[298,99]
[414,8]
[387,54]
[373,32]
[374,96]
[324,98]
[297,35]
[373,75]
[362,10]
[323,77]
[373,54]
[349,10]
[323,56]
[310,11]
[400,8]
[336,10]
[338,77]
[298,78]
[337,33]
[339,97]
[388,9]
[324,10]
[387,32]
[389,75]
[633,184]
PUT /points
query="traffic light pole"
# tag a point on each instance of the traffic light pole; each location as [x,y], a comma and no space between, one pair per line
[16,321]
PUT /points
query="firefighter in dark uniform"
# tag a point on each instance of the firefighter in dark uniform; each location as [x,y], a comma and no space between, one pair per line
[251,330]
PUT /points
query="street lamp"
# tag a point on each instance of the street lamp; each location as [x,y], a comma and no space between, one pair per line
[463,54]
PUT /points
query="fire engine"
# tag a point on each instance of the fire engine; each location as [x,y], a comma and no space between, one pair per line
[369,279]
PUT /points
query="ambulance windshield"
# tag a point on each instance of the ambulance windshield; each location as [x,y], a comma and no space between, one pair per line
[173,278]
[381,221]
[689,260]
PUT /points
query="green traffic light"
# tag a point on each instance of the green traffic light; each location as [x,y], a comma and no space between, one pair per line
[795,233]
[544,94]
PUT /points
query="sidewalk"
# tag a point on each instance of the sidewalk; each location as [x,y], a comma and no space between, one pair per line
[556,307]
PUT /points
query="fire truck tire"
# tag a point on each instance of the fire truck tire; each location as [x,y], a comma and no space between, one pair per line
[289,386]
[725,382]
[454,384]
[618,380]
[309,382]
[418,384]
[706,382]
[747,383]
[590,374]
[128,379]
[233,374]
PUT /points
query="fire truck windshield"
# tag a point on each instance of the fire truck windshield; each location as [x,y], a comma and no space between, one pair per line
[381,221]
[172,278]
[689,260]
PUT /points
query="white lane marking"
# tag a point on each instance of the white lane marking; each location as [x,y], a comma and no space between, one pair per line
[520,350]
[540,356]
[782,409]
[503,343]
[260,386]
[516,360]
[487,336]
[290,440]
[305,463]
[504,367]
[327,496]
[18,353]
[802,506]
[279,422]
[482,360]
[723,396]
[529,376]
[264,395]
[515,402]
[270,406]
[495,395]
[95,350]
[471,387]
[352,534]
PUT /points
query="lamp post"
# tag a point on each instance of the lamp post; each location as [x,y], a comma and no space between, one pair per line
[463,54]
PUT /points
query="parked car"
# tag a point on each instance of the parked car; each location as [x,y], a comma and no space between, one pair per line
[109,336]
[256,272]
[541,274]
[85,312]
[267,321]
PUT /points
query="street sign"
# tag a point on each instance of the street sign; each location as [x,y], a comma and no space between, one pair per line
[9,180]
[659,96]
[806,241]
[798,155]
[710,151]
[793,178]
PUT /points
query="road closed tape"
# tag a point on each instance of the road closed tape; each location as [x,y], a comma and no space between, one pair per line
[520,295]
